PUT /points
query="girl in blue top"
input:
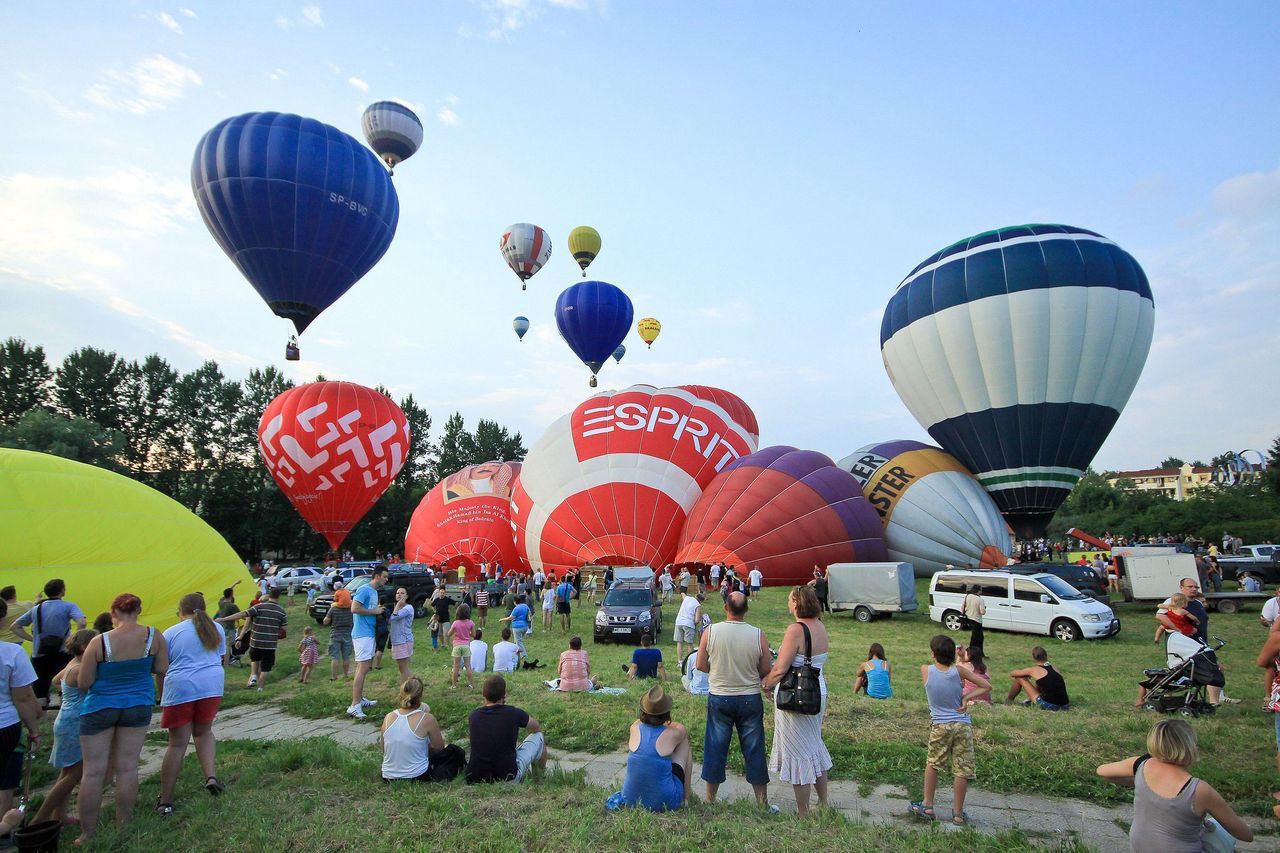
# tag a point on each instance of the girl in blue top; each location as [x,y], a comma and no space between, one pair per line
[66,754]
[659,757]
[117,677]
[873,676]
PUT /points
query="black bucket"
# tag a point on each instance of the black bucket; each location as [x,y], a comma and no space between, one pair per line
[38,837]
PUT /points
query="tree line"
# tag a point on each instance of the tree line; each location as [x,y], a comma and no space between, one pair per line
[194,437]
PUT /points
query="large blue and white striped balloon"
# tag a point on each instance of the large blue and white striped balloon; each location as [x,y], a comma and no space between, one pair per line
[1017,349]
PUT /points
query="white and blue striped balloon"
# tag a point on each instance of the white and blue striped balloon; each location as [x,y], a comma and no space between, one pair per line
[392,130]
[1017,349]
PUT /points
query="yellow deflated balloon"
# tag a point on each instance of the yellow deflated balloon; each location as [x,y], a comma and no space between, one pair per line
[584,242]
[105,534]
[648,329]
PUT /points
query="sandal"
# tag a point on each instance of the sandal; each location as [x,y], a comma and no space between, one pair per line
[920,810]
[961,819]
[213,786]
[164,809]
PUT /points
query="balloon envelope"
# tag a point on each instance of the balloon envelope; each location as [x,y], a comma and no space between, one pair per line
[333,448]
[612,481]
[784,511]
[392,130]
[584,243]
[105,534]
[521,325]
[525,248]
[301,208]
[465,517]
[648,329]
[593,318]
[1016,349]
[619,353]
[731,403]
[934,512]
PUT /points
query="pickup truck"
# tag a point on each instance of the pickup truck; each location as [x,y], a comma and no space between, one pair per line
[1261,560]
[420,585]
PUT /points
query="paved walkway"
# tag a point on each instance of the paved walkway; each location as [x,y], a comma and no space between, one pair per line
[1050,819]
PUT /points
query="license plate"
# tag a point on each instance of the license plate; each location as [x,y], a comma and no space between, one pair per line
[622,630]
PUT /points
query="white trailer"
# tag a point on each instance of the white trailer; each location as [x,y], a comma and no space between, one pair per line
[1155,577]
[871,590]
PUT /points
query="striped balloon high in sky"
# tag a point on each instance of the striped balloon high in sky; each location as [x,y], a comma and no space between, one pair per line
[1017,349]
[392,130]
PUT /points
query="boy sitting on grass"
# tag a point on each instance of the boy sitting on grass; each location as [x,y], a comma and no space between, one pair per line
[950,727]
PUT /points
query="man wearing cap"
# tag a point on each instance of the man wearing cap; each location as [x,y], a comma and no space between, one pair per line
[658,757]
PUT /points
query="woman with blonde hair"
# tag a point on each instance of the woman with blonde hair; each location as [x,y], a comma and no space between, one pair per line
[190,693]
[117,675]
[409,735]
[799,754]
[1170,806]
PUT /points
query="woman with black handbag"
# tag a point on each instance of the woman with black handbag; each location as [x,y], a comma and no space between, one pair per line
[800,695]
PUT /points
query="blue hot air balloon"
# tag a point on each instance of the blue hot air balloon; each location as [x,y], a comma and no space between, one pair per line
[521,325]
[619,353]
[301,208]
[1016,349]
[593,318]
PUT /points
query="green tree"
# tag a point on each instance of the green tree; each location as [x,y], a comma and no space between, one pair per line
[1171,462]
[24,380]
[459,448]
[147,415]
[88,384]
[207,408]
[69,437]
[494,442]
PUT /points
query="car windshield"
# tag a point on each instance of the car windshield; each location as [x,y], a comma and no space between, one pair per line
[1061,588]
[628,598]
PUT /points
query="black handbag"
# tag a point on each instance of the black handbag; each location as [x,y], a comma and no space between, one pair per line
[49,645]
[800,690]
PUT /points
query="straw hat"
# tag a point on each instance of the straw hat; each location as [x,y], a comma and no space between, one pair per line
[656,702]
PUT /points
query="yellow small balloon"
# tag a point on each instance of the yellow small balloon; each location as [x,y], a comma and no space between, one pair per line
[648,329]
[584,243]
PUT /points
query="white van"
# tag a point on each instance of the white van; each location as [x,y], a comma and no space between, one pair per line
[1027,604]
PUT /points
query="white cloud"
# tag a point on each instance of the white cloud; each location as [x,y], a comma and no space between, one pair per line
[309,17]
[311,14]
[187,12]
[452,100]
[34,88]
[358,83]
[169,22]
[508,16]
[277,74]
[448,116]
[151,84]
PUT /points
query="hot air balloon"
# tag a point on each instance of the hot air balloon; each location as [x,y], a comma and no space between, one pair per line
[612,481]
[333,448]
[525,248]
[731,403]
[104,533]
[649,329]
[619,353]
[784,511]
[301,208]
[521,325]
[584,243]
[1016,349]
[465,518]
[593,318]
[935,514]
[392,130]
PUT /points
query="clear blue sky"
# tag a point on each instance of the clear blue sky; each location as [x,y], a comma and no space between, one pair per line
[762,175]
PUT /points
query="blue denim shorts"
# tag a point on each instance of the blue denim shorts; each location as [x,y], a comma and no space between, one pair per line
[724,714]
[1049,706]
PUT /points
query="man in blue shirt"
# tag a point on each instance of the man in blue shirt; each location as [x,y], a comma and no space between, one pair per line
[50,621]
[646,661]
[519,619]
[564,592]
[364,611]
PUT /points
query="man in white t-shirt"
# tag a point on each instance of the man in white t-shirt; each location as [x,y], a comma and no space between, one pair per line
[506,654]
[715,575]
[756,578]
[686,623]
[668,584]
[1271,609]
[479,652]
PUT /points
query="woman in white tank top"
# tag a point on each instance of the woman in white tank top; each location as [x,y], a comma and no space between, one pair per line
[409,735]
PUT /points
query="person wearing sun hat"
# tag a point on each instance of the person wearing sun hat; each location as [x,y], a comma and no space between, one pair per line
[659,759]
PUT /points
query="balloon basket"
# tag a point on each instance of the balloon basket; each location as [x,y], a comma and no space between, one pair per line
[592,383]
[291,352]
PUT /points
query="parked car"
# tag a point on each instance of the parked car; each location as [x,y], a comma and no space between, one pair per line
[1083,578]
[1028,604]
[347,575]
[630,610]
[1261,560]
[419,583]
[298,577]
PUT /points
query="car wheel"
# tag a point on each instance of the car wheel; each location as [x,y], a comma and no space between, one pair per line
[1228,605]
[420,607]
[863,614]
[1066,630]
[952,621]
[319,620]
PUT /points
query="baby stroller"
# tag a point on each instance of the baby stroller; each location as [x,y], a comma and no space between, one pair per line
[1180,687]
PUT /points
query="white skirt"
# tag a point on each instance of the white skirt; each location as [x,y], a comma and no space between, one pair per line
[799,756]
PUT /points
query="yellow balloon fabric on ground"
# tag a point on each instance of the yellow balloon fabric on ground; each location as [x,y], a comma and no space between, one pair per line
[105,534]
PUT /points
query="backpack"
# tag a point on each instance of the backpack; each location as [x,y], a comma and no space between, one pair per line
[447,763]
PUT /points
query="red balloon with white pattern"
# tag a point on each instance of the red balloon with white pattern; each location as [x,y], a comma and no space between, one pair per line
[333,448]
[466,517]
[613,481]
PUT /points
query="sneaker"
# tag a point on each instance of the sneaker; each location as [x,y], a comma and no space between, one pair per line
[253,681]
[356,712]
[368,703]
[771,808]
[1229,700]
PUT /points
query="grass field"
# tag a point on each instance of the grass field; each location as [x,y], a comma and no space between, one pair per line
[1019,749]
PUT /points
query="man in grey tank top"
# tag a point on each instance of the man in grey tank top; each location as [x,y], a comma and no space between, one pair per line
[735,656]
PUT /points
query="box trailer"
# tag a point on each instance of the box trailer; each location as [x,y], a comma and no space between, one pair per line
[1155,577]
[871,590]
